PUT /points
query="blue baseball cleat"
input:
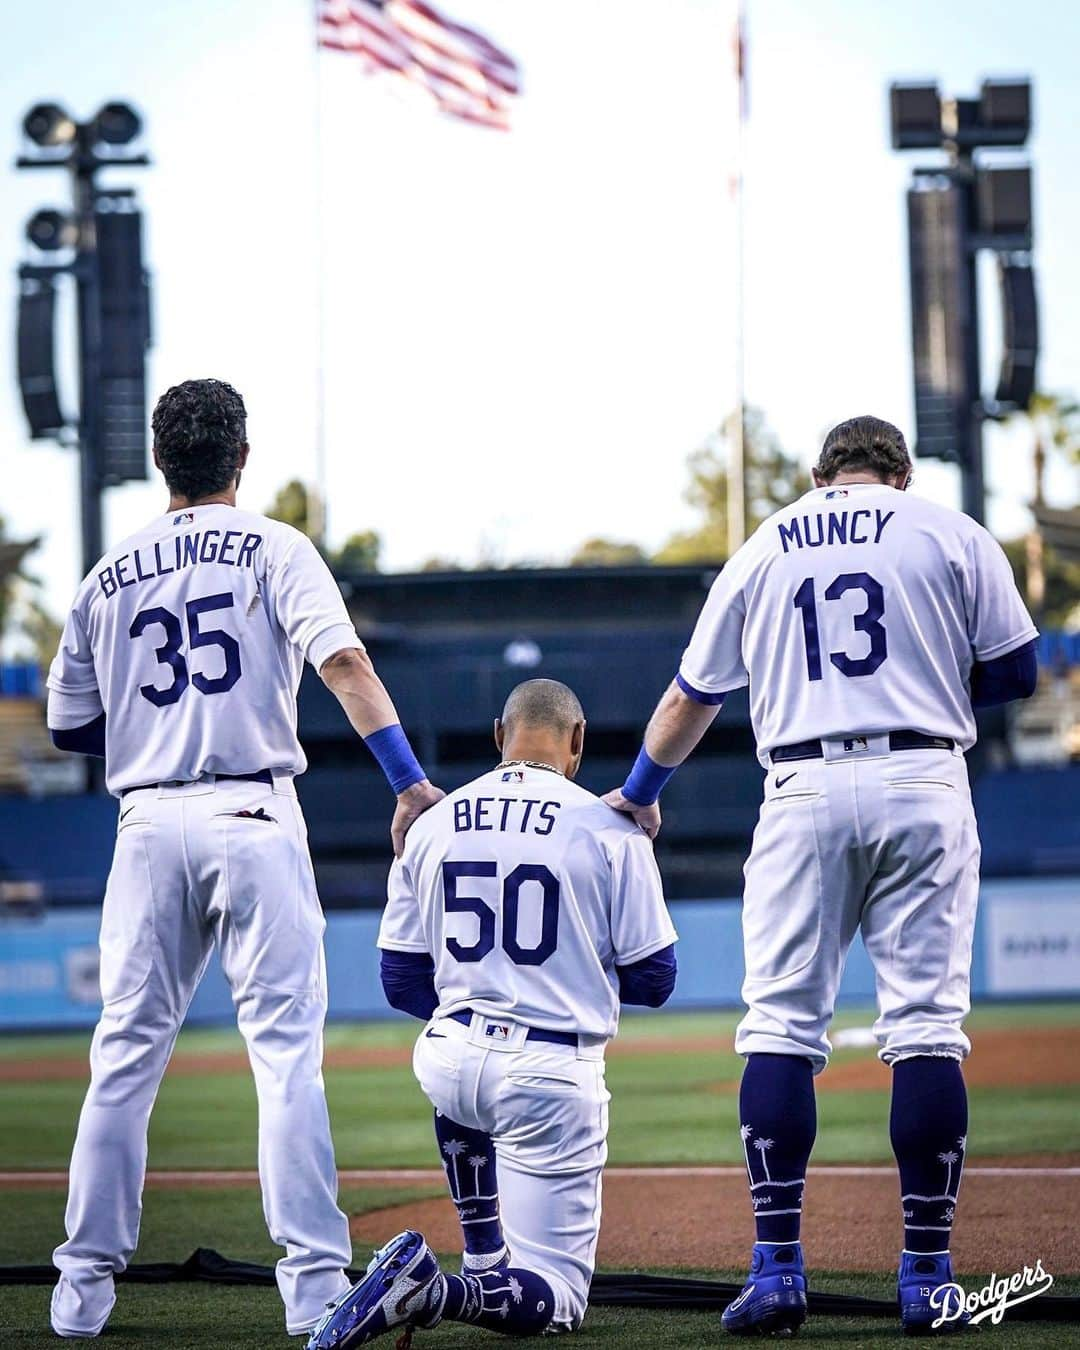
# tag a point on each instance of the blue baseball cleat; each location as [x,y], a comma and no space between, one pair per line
[773,1300]
[919,1276]
[403,1286]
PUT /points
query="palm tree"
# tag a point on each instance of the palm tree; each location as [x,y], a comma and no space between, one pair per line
[476,1162]
[745,1131]
[948,1159]
[453,1148]
[515,1289]
[763,1146]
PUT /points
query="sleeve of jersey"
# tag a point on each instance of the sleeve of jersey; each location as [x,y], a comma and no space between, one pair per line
[640,923]
[309,605]
[997,618]
[712,664]
[401,929]
[74,697]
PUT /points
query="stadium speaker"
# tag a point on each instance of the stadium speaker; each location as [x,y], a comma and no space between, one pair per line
[1005,111]
[36,369]
[1004,206]
[939,304]
[125,336]
[1020,329]
[915,116]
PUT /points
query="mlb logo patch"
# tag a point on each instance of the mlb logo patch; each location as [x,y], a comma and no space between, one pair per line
[836,492]
[184,518]
[514,776]
[855,743]
[497,1031]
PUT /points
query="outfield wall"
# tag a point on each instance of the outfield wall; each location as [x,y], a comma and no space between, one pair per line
[1027,944]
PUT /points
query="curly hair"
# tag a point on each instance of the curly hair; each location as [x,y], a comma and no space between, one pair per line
[200,430]
[864,443]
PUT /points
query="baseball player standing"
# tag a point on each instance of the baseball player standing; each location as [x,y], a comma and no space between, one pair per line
[868,624]
[521,913]
[179,663]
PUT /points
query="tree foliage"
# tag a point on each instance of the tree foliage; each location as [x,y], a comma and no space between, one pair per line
[359,553]
[773,478]
[601,552]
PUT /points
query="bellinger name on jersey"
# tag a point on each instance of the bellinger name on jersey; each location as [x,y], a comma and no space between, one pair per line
[838,527]
[174,555]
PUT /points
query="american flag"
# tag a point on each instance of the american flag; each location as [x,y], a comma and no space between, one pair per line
[465,74]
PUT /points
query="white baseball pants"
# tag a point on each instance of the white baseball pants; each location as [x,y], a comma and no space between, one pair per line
[189,872]
[546,1110]
[872,840]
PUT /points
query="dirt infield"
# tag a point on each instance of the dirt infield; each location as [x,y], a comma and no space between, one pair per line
[1000,1058]
[851,1222]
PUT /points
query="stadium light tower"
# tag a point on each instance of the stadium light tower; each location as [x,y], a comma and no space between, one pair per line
[955,209]
[97,242]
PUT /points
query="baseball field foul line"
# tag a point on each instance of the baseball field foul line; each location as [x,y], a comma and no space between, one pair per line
[354,1176]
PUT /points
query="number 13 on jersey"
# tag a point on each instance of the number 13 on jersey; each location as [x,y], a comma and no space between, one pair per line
[868,622]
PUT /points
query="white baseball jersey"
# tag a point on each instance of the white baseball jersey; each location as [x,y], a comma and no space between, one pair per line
[527,891]
[191,637]
[857,609]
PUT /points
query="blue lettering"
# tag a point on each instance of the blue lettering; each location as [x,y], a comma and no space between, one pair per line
[546,815]
[140,574]
[227,543]
[858,538]
[814,543]
[108,582]
[529,803]
[507,803]
[883,518]
[120,575]
[191,550]
[482,804]
[161,568]
[790,532]
[208,552]
[246,556]
[838,529]
[462,815]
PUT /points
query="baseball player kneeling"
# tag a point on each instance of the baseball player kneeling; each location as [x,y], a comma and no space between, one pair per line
[520,915]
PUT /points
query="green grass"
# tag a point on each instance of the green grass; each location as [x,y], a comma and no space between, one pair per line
[207,1317]
[667,1108]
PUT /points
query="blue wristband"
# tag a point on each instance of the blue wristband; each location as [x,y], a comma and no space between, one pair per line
[647,780]
[391,748]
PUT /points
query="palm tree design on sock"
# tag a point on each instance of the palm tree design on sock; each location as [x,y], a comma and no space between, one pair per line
[745,1131]
[516,1290]
[454,1148]
[763,1146]
[476,1161]
[949,1158]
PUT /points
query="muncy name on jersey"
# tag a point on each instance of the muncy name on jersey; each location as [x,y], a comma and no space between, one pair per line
[839,527]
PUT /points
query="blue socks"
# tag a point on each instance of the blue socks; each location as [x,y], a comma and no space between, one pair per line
[469,1159]
[517,1302]
[778,1123]
[928,1127]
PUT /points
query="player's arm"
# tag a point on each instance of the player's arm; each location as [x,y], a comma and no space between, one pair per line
[642,933]
[1003,637]
[351,678]
[406,968]
[74,714]
[674,730]
[1005,678]
[312,613]
[711,667]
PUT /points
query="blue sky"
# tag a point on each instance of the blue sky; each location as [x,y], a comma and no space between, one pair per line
[522,337]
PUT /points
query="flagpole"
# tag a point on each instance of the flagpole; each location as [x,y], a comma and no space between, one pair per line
[736,495]
[317,510]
